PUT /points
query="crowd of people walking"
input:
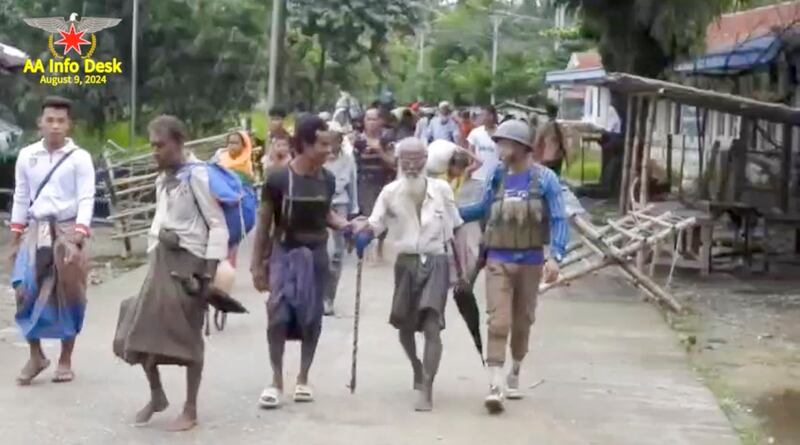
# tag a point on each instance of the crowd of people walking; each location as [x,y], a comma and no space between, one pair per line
[453,194]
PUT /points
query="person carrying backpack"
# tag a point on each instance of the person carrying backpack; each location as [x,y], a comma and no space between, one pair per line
[237,157]
[550,147]
[188,239]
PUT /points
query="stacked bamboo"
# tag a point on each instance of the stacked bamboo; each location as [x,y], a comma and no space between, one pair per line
[618,243]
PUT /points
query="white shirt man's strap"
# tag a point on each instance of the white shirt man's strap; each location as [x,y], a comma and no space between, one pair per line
[68,195]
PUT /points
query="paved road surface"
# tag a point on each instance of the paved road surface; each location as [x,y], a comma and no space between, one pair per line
[614,374]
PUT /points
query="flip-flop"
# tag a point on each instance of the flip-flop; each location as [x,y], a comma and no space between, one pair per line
[270,398]
[303,394]
[63,375]
[26,379]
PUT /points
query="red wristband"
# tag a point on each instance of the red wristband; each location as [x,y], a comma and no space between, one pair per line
[82,229]
[18,228]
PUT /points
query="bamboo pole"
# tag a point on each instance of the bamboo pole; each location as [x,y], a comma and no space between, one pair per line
[575,245]
[113,202]
[610,240]
[132,212]
[615,256]
[630,249]
[644,184]
[633,169]
[683,167]
[636,274]
[629,125]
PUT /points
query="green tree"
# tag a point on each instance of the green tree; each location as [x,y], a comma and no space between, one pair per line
[200,60]
[347,31]
[460,57]
[646,36]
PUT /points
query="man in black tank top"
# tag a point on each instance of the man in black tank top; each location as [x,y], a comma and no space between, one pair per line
[290,258]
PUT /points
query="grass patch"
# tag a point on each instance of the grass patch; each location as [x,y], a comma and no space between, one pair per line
[592,167]
[258,120]
[744,423]
[118,132]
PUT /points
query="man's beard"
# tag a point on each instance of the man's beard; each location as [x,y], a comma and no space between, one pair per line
[414,186]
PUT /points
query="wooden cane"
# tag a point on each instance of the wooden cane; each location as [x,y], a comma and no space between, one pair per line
[354,363]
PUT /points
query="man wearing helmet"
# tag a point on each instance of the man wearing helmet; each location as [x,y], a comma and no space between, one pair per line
[524,215]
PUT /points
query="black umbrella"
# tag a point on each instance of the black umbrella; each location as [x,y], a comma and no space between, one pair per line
[223,302]
[468,305]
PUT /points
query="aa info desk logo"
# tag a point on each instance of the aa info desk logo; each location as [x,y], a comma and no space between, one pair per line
[75,38]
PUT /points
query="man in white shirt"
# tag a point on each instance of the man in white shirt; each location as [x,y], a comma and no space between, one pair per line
[443,126]
[344,203]
[484,148]
[422,213]
[50,220]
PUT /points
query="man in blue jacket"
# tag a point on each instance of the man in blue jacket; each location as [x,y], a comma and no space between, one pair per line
[525,238]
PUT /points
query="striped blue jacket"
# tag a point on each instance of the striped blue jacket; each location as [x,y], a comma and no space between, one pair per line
[550,187]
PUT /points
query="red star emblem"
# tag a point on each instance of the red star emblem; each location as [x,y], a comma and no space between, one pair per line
[72,40]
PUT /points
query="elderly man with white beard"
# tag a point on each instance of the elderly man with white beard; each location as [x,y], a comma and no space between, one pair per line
[422,212]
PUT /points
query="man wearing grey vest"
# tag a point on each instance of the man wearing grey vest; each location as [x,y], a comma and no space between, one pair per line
[524,214]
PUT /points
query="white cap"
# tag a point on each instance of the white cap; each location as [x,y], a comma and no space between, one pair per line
[444,104]
[336,127]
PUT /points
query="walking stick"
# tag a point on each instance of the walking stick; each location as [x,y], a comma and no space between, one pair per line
[357,313]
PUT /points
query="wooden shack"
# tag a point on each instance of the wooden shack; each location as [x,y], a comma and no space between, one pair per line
[750,180]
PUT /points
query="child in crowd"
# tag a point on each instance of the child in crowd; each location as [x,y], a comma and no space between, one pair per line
[279,153]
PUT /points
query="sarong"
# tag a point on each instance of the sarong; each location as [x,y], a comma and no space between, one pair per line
[298,279]
[163,325]
[51,294]
[419,286]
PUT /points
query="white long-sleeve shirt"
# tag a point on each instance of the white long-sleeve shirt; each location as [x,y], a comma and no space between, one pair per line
[424,234]
[69,195]
[187,207]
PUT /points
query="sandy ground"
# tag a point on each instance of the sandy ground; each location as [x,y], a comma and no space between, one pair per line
[747,348]
[611,373]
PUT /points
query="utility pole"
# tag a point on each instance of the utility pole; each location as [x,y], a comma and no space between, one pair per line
[422,34]
[421,62]
[134,57]
[277,6]
[495,38]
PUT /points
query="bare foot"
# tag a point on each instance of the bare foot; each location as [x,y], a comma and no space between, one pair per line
[31,370]
[186,421]
[419,376]
[158,403]
[64,374]
[424,399]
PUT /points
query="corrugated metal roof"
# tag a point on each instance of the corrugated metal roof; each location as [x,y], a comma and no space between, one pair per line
[696,97]
[745,40]
[567,77]
[751,54]
[731,29]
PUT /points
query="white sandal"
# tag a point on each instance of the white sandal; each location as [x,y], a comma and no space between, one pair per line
[270,398]
[512,388]
[494,401]
[303,394]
